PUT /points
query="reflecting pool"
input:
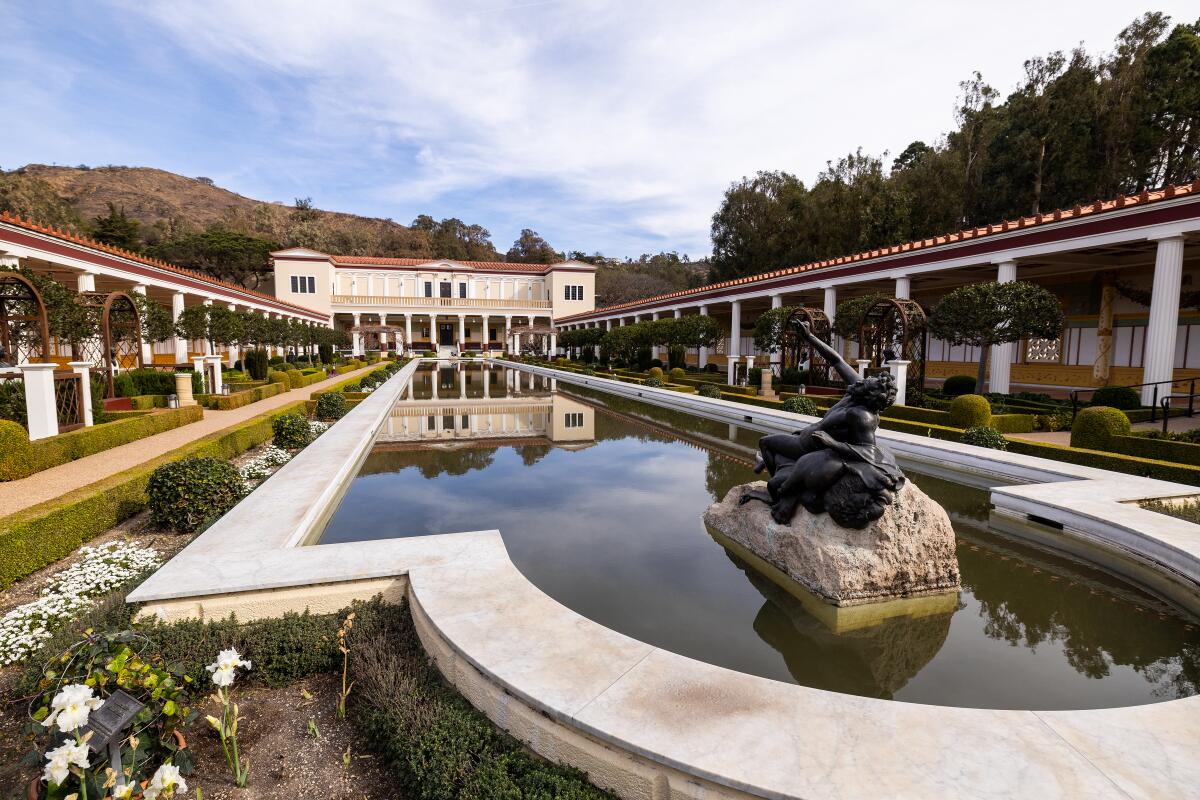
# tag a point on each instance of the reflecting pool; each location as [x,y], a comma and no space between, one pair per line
[600,499]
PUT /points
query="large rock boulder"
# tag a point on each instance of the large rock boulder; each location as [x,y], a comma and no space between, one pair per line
[908,552]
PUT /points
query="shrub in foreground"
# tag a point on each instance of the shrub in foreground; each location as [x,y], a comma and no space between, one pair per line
[184,495]
[958,384]
[984,437]
[655,372]
[292,431]
[801,405]
[653,382]
[331,405]
[970,411]
[709,390]
[1095,425]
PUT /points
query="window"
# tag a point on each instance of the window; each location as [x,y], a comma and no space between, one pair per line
[304,285]
[312,285]
[573,420]
[295,285]
[445,289]
[462,290]
[429,288]
[491,334]
[466,422]
[573,292]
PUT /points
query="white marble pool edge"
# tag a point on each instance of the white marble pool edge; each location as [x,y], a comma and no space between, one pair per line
[648,723]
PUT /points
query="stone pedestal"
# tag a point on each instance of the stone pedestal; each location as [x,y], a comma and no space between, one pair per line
[765,390]
[41,411]
[908,552]
[183,388]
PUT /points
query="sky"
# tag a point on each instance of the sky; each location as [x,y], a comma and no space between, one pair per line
[605,125]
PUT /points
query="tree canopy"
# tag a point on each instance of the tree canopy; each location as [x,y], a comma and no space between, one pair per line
[983,314]
[117,229]
[1075,129]
[529,248]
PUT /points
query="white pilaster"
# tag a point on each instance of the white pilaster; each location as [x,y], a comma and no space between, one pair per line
[903,287]
[1158,362]
[702,356]
[84,370]
[1000,369]
[181,345]
[408,332]
[40,409]
[356,337]
[899,370]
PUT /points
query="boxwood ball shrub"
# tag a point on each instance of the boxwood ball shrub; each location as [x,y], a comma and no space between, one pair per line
[653,382]
[186,494]
[655,372]
[278,376]
[970,411]
[983,436]
[1096,425]
[801,405]
[677,373]
[1122,397]
[331,405]
[292,431]
[709,390]
[959,384]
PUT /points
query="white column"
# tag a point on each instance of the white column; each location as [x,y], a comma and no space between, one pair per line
[1158,361]
[214,373]
[735,336]
[462,331]
[356,337]
[40,408]
[830,309]
[408,330]
[777,356]
[654,351]
[181,345]
[85,282]
[608,324]
[702,356]
[903,287]
[1000,369]
[207,343]
[147,352]
[84,371]
[553,345]
[234,350]
[508,333]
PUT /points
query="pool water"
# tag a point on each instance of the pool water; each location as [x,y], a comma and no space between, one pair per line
[600,498]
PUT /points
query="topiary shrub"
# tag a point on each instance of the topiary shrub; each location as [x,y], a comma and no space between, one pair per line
[709,390]
[331,405]
[1094,426]
[653,382]
[14,445]
[959,384]
[352,387]
[970,411]
[655,372]
[794,377]
[277,376]
[801,405]
[1122,397]
[677,373]
[292,431]
[982,436]
[754,376]
[256,364]
[588,371]
[186,494]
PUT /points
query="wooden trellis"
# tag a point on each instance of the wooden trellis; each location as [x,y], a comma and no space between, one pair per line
[794,346]
[893,328]
[22,320]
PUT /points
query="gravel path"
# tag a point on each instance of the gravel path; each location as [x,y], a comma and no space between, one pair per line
[57,481]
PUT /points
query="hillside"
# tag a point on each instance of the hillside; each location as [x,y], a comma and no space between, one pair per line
[196,224]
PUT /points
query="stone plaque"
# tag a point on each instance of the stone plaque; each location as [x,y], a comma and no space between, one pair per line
[108,721]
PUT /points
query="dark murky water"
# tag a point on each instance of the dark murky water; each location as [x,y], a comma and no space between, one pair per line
[599,500]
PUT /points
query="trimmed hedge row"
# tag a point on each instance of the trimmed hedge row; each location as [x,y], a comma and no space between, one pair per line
[40,535]
[1130,465]
[225,402]
[1156,449]
[20,457]
[143,402]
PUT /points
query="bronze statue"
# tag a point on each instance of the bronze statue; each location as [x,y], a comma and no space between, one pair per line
[834,465]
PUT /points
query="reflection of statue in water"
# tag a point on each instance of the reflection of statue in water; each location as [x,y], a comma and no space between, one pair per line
[834,465]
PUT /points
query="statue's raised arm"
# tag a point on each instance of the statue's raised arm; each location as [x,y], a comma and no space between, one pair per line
[849,374]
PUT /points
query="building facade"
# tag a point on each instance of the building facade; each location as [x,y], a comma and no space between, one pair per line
[1127,272]
[421,305]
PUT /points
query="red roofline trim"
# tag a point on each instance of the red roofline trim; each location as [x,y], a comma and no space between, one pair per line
[860,262]
[123,259]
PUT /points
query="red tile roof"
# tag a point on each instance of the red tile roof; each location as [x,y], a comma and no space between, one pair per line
[502,266]
[1021,223]
[83,241]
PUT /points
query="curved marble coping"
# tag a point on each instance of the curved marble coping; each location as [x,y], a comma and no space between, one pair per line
[779,740]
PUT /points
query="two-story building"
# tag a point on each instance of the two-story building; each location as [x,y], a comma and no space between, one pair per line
[416,304]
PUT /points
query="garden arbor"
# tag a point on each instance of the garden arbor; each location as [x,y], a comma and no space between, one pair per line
[778,331]
[894,329]
[23,325]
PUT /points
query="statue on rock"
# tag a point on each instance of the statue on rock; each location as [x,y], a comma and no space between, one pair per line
[834,465]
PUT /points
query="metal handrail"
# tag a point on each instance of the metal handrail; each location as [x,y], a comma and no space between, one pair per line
[1154,401]
[1166,405]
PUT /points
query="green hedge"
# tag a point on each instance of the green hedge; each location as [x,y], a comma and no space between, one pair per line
[1095,425]
[148,401]
[226,402]
[40,535]
[969,411]
[19,459]
[1156,449]
[1131,465]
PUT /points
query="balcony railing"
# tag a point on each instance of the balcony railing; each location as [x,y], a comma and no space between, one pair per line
[436,302]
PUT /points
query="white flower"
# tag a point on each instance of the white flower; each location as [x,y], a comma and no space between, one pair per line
[71,706]
[166,780]
[60,760]
[123,793]
[224,669]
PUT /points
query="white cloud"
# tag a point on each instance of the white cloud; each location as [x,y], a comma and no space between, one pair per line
[635,115]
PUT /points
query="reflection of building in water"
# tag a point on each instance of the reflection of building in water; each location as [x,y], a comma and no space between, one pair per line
[481,404]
